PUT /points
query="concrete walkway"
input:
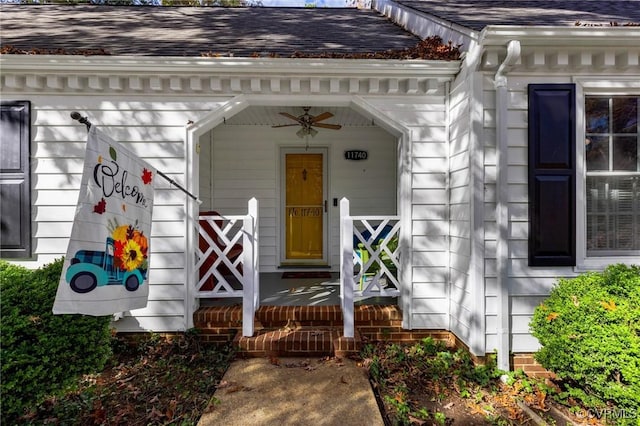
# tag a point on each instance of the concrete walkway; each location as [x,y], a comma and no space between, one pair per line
[293,391]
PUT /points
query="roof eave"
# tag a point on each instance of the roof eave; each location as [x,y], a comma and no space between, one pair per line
[592,36]
[226,65]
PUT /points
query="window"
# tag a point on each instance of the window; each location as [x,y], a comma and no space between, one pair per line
[612,183]
[15,187]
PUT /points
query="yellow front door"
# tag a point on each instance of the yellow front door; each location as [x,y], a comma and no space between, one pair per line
[304,207]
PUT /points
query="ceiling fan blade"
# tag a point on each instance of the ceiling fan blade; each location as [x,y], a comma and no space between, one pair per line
[321,117]
[328,126]
[285,125]
[286,114]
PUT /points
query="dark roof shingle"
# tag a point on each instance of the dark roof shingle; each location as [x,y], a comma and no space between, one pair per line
[477,14]
[193,31]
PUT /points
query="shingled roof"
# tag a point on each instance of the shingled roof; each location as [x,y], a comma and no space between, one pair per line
[193,31]
[477,14]
[244,32]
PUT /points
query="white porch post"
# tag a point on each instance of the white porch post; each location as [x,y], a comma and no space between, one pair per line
[346,268]
[250,270]
[253,212]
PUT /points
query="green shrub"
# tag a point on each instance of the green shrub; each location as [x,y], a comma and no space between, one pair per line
[589,329]
[42,353]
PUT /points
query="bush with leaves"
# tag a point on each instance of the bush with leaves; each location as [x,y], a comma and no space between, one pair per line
[589,329]
[41,352]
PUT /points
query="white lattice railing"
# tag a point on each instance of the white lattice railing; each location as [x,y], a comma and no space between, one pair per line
[228,260]
[369,259]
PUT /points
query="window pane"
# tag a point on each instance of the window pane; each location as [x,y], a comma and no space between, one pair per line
[613,214]
[597,115]
[625,115]
[597,153]
[625,153]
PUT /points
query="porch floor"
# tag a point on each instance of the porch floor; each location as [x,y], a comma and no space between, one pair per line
[278,291]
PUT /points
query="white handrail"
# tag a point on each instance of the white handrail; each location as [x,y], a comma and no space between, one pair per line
[381,231]
[229,232]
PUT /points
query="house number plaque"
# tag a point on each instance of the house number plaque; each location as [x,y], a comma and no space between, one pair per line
[356,154]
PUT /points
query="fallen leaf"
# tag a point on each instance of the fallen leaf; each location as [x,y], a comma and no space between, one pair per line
[239,388]
[609,306]
[223,384]
[235,388]
[99,414]
[513,413]
[155,414]
[415,420]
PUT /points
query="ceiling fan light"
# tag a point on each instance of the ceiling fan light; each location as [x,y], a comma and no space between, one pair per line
[301,133]
[313,131]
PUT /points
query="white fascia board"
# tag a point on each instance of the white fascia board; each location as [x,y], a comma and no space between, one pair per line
[230,66]
[565,36]
[425,25]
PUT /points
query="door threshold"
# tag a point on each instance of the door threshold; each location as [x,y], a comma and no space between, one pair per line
[303,266]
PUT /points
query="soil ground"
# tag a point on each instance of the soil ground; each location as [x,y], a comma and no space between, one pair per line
[172,381]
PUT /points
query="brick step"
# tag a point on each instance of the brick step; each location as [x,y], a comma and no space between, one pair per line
[298,342]
[372,323]
[309,316]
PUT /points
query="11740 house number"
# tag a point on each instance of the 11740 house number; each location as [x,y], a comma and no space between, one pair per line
[355,154]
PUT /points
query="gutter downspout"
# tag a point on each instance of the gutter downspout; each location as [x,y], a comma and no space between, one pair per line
[502,204]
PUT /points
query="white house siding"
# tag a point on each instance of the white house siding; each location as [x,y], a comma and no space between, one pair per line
[463,315]
[426,119]
[153,128]
[528,286]
[243,161]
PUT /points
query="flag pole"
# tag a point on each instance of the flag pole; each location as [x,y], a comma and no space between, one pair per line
[84,120]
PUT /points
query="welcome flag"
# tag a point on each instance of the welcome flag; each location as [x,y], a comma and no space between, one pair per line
[106,268]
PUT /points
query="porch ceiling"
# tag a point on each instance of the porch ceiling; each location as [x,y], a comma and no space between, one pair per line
[270,116]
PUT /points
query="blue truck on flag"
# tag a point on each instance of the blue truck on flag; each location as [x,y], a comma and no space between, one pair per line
[90,269]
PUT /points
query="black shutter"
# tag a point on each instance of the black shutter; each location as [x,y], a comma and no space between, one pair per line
[552,175]
[15,186]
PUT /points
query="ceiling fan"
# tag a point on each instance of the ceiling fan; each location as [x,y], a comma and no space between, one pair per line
[308,122]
